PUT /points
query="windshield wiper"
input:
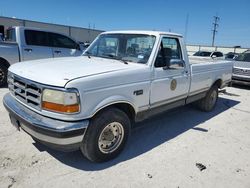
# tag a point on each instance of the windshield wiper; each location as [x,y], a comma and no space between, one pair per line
[116,58]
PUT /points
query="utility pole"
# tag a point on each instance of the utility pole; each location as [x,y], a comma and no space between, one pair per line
[186,28]
[215,27]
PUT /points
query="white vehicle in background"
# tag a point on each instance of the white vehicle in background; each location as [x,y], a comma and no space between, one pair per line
[208,55]
[91,102]
[23,44]
[241,69]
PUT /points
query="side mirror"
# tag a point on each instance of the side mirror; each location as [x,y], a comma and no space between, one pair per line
[214,56]
[175,63]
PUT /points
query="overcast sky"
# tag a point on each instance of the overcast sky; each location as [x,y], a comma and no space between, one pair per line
[234,24]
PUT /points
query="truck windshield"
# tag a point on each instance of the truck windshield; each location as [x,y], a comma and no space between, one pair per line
[126,47]
[243,57]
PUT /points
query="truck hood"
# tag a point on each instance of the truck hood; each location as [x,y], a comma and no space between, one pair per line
[59,71]
[242,64]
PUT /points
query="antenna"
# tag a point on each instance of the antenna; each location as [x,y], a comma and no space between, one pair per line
[215,27]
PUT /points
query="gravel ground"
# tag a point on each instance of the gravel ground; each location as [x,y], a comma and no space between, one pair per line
[182,148]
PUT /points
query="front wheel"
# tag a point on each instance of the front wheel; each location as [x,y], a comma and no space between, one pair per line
[208,103]
[106,135]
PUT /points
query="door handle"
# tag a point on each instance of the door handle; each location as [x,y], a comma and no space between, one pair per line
[28,49]
[57,51]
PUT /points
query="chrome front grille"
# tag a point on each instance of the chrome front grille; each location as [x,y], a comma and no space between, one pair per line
[26,91]
[239,71]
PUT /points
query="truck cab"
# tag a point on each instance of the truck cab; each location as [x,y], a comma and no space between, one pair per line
[37,43]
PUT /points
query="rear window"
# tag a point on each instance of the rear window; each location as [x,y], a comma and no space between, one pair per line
[11,35]
[37,38]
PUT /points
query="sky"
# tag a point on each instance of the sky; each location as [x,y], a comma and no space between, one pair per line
[192,18]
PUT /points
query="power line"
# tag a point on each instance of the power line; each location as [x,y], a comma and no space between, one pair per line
[215,27]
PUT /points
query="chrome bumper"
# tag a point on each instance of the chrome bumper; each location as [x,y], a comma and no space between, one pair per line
[55,133]
[243,80]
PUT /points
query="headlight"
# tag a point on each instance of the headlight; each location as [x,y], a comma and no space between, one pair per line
[60,101]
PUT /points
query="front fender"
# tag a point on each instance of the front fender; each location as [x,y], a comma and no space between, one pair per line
[113,100]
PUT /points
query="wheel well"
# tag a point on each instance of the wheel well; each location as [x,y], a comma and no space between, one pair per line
[218,83]
[4,62]
[125,107]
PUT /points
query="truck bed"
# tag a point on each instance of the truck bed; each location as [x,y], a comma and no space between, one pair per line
[197,60]
[205,71]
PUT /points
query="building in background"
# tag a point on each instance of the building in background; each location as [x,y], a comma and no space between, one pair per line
[78,33]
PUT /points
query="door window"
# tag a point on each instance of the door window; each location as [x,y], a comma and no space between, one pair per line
[37,38]
[61,41]
[169,54]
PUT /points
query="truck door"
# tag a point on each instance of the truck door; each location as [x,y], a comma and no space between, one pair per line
[171,79]
[35,45]
[63,46]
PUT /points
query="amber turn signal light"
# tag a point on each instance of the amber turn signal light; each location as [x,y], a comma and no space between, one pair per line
[60,107]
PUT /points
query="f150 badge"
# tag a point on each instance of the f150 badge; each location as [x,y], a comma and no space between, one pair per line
[173,84]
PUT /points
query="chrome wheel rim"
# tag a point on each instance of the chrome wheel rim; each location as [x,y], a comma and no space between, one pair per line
[213,98]
[111,137]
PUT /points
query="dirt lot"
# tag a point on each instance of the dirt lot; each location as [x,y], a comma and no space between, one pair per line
[167,151]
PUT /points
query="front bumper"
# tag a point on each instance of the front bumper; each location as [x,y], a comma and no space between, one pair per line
[244,80]
[62,135]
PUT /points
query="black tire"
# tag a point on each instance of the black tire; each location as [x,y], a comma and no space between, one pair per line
[3,75]
[208,103]
[91,148]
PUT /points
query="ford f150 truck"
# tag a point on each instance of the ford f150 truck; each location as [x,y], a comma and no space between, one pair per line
[91,102]
[23,43]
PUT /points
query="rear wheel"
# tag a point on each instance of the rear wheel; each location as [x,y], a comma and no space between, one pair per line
[3,75]
[106,135]
[208,103]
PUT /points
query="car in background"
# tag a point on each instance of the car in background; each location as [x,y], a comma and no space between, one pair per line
[208,55]
[241,69]
[231,55]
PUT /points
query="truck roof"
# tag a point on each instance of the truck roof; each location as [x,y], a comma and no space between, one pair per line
[142,32]
[31,28]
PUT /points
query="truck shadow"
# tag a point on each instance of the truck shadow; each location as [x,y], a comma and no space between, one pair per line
[147,135]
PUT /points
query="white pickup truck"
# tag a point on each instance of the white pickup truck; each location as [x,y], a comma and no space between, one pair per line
[23,43]
[91,102]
